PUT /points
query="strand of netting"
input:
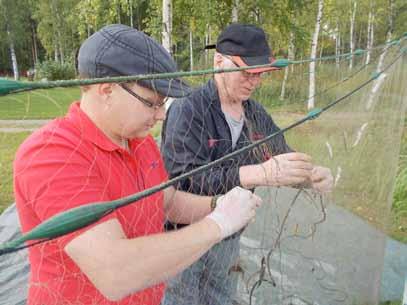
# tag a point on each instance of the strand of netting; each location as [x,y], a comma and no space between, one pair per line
[83,216]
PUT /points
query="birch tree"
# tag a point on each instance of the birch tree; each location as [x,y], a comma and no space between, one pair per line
[351,33]
[290,57]
[12,53]
[235,11]
[14,23]
[313,55]
[130,7]
[389,34]
[191,51]
[380,80]
[337,44]
[370,33]
[207,42]
[34,42]
[167,25]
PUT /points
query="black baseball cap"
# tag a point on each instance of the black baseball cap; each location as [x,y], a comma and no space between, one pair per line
[247,45]
[120,50]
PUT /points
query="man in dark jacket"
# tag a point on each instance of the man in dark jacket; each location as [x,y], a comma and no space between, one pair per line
[217,119]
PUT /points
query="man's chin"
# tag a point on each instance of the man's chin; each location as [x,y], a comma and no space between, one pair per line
[245,97]
[141,134]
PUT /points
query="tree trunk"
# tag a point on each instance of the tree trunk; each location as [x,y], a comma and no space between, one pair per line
[13,56]
[351,38]
[290,57]
[359,41]
[61,53]
[321,51]
[314,46]
[191,51]
[235,11]
[57,24]
[61,47]
[256,13]
[337,45]
[34,43]
[167,25]
[130,3]
[372,32]
[369,35]
[56,52]
[388,36]
[379,81]
[118,12]
[207,42]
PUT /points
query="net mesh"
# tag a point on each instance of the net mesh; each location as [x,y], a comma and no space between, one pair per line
[303,248]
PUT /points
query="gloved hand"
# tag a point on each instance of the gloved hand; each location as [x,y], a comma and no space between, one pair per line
[234,210]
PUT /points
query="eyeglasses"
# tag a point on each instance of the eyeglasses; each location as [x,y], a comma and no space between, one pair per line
[246,74]
[142,99]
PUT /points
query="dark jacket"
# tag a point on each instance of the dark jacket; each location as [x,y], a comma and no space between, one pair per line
[196,133]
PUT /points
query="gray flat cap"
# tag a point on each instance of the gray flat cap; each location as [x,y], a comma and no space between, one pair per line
[119,50]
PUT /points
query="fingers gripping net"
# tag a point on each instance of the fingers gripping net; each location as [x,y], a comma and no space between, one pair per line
[303,248]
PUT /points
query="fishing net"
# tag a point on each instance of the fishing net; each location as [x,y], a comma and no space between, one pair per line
[312,249]
[304,247]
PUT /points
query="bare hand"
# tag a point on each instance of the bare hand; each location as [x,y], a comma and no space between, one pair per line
[287,169]
[321,179]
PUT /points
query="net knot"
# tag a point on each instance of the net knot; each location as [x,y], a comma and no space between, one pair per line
[281,63]
[393,42]
[375,75]
[314,113]
[359,52]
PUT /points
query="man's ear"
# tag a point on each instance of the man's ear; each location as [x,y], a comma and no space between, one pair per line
[218,60]
[105,90]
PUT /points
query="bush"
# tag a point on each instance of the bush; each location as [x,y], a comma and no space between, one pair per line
[52,70]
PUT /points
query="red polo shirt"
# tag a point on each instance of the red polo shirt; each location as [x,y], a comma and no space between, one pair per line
[69,163]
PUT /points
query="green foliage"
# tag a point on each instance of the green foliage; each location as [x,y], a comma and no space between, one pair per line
[43,29]
[399,208]
[392,303]
[15,28]
[52,70]
[57,27]
[400,192]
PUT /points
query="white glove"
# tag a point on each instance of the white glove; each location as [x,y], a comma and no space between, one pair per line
[234,210]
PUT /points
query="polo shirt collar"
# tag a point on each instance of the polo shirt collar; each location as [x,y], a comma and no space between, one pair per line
[89,131]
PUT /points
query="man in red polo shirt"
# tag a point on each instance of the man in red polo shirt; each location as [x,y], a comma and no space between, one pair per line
[101,150]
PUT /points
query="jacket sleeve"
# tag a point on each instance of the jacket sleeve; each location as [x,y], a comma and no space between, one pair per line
[186,145]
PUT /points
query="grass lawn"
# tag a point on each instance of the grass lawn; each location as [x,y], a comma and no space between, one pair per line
[8,146]
[38,104]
